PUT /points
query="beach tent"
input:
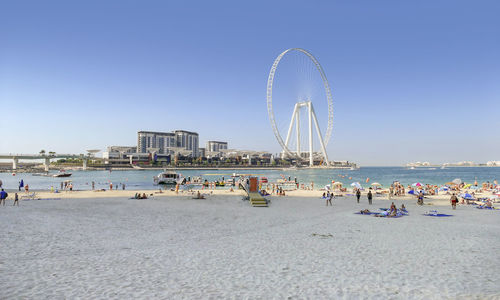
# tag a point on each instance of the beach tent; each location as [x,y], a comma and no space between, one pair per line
[356,184]
[457,181]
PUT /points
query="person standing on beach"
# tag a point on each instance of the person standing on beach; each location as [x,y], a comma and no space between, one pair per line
[16,200]
[454,201]
[93,185]
[27,188]
[3,196]
[21,184]
[358,194]
[110,186]
[370,196]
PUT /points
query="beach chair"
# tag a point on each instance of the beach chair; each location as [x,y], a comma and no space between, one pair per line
[30,196]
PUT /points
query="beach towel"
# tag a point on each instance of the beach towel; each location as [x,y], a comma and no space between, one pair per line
[437,215]
[370,213]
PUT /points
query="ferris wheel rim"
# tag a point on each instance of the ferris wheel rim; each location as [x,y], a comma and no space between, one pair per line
[269,93]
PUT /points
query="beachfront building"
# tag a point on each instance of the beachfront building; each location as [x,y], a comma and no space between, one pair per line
[118,152]
[188,140]
[202,152]
[168,142]
[215,148]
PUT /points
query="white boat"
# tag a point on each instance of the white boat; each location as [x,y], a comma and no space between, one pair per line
[62,173]
[168,177]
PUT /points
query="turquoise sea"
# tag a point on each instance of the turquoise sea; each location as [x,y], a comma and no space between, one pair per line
[143,179]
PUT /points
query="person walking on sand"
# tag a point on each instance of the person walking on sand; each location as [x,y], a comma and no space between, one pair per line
[16,200]
[454,201]
[370,196]
[358,194]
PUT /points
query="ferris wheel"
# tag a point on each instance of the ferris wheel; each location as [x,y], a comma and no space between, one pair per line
[304,104]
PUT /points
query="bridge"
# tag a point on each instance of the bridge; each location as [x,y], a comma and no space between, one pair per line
[16,157]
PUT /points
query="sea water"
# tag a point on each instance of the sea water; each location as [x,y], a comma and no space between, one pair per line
[143,179]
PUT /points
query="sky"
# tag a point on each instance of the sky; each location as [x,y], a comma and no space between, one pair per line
[411,80]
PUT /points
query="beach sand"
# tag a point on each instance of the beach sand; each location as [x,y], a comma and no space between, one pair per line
[174,247]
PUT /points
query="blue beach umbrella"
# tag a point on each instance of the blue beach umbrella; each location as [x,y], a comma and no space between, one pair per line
[467,196]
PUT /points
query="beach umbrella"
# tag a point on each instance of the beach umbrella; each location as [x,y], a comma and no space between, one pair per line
[450,183]
[337,183]
[376,184]
[417,184]
[327,187]
[468,185]
[457,181]
[356,184]
[467,196]
[444,188]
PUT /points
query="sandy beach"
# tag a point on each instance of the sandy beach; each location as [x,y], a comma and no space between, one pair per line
[104,245]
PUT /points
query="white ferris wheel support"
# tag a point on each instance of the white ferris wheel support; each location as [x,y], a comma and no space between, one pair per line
[312,117]
[296,113]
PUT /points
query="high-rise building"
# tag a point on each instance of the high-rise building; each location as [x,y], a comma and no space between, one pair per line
[164,142]
[188,140]
[215,146]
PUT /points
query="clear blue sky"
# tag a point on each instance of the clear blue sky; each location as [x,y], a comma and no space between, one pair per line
[411,80]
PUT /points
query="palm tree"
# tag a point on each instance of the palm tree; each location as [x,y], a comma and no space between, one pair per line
[42,152]
[52,153]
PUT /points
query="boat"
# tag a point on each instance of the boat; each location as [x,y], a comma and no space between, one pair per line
[169,177]
[62,173]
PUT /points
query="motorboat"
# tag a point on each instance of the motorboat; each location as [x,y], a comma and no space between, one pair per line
[62,173]
[169,177]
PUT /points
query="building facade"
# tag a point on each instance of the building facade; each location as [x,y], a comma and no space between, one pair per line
[216,147]
[167,142]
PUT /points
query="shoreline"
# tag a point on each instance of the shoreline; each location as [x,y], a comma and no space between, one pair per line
[437,200]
